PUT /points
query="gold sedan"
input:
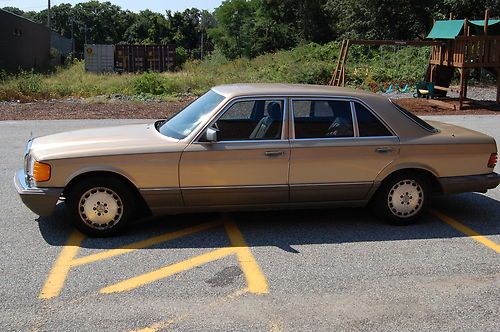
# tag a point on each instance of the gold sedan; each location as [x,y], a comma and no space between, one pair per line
[257,146]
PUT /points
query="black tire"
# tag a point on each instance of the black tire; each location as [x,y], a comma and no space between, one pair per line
[402,198]
[81,201]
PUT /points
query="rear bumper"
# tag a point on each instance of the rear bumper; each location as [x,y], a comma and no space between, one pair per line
[41,201]
[460,184]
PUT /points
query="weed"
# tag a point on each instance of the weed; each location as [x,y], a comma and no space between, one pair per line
[369,68]
[149,83]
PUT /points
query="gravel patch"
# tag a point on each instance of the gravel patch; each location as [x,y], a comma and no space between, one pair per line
[479,93]
[137,107]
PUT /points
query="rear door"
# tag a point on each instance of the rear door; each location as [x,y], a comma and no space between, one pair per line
[338,146]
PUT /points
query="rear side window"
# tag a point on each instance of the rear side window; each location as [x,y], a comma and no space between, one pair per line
[368,124]
[322,119]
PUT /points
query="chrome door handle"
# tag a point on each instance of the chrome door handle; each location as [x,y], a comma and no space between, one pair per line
[273,153]
[383,149]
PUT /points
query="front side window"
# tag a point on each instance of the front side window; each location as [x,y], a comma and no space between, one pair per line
[251,120]
[322,119]
[186,121]
[368,124]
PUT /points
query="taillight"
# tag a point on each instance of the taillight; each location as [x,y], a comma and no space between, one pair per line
[493,160]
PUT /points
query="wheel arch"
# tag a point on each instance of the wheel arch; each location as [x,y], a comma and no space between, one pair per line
[422,171]
[143,207]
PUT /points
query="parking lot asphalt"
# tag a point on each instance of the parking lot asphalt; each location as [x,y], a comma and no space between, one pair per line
[316,270]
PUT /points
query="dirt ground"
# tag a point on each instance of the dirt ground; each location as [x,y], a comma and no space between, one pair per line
[64,109]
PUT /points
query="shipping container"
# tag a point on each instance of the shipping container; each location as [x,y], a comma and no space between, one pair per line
[140,58]
[99,58]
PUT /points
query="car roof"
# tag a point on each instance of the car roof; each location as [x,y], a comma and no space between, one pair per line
[251,89]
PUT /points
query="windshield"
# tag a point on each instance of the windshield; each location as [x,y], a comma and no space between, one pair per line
[187,120]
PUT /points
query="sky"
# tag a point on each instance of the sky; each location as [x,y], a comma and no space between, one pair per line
[133,5]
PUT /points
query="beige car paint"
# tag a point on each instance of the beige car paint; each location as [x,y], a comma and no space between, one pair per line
[107,141]
[172,174]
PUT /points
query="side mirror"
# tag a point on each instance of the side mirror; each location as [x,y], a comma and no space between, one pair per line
[210,135]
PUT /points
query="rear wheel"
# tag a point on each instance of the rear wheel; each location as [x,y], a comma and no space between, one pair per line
[402,198]
[101,206]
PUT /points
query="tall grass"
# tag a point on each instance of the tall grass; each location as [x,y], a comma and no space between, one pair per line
[368,68]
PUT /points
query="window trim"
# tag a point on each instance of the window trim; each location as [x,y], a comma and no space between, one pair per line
[376,116]
[292,116]
[354,119]
[352,102]
[233,101]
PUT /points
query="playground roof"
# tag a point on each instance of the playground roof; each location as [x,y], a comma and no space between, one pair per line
[449,29]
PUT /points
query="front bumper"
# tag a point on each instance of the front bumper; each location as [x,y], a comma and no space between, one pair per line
[41,201]
[477,183]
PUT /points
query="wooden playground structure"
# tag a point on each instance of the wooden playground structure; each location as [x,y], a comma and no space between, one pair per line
[456,44]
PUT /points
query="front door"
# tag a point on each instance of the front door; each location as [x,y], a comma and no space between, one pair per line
[337,150]
[248,164]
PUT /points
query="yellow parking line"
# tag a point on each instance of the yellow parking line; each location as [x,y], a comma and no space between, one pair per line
[143,244]
[467,231]
[57,276]
[256,280]
[166,271]
[66,260]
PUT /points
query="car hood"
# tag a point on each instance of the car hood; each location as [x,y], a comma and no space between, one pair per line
[128,139]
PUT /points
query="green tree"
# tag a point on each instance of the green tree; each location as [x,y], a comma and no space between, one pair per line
[14,10]
[381,19]
[466,8]
[233,33]
[147,27]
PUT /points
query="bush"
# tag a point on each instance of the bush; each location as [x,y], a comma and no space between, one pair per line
[367,67]
[30,83]
[149,83]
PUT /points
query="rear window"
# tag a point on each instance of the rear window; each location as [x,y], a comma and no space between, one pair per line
[415,118]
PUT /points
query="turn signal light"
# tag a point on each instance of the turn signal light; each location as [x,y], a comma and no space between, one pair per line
[493,160]
[41,172]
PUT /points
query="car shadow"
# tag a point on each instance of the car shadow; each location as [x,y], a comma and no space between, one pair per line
[287,228]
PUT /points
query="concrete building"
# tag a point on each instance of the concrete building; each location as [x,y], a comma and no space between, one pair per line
[24,44]
[27,45]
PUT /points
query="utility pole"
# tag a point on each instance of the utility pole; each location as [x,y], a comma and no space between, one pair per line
[48,15]
[202,42]
[72,36]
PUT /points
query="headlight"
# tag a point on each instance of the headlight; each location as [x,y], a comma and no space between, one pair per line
[35,170]
[28,158]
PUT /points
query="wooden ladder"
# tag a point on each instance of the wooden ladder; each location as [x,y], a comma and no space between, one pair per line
[338,76]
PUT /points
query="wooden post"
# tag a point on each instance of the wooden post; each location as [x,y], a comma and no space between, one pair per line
[466,80]
[461,93]
[486,18]
[466,27]
[498,85]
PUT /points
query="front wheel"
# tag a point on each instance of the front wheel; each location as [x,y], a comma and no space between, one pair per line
[402,198]
[100,206]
